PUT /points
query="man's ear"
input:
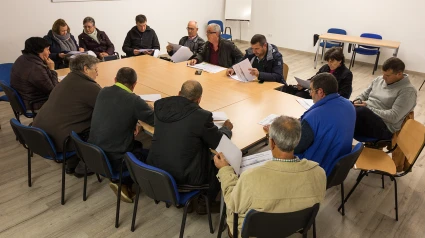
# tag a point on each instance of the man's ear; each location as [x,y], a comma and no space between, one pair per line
[272,143]
[115,79]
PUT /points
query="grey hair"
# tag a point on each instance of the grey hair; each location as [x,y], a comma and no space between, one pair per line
[217,27]
[286,133]
[191,90]
[78,63]
[196,23]
[89,19]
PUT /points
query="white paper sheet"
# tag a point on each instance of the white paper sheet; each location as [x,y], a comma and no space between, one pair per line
[75,53]
[302,82]
[143,50]
[242,71]
[219,124]
[255,160]
[176,47]
[220,116]
[60,78]
[150,97]
[306,103]
[210,68]
[182,54]
[232,153]
[268,120]
[156,53]
[235,77]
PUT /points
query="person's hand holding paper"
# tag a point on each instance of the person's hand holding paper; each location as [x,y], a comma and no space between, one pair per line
[220,160]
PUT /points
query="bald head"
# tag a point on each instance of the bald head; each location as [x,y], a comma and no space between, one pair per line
[192,29]
[191,90]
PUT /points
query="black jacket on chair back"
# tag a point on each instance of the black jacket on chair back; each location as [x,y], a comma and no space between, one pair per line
[184,132]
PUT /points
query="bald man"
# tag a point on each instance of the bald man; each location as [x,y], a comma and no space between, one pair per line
[192,41]
[184,132]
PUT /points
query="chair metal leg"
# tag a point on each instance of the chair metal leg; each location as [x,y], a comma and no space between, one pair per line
[63,182]
[222,222]
[235,225]
[354,59]
[136,203]
[98,178]
[342,199]
[184,218]
[351,61]
[421,85]
[395,197]
[354,187]
[29,167]
[117,216]
[375,67]
[209,214]
[382,178]
[314,229]
[85,183]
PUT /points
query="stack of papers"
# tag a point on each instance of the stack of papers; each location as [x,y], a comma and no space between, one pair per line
[176,47]
[219,118]
[232,153]
[303,83]
[306,103]
[255,160]
[150,97]
[268,120]
[242,71]
[210,68]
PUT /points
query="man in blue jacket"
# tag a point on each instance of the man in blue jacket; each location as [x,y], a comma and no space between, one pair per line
[266,60]
[328,126]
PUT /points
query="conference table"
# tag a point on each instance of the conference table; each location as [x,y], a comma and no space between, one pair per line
[246,104]
[356,40]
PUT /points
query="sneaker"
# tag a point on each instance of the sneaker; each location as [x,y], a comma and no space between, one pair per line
[125,196]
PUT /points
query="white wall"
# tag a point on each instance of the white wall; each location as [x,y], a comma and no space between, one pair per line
[21,19]
[292,24]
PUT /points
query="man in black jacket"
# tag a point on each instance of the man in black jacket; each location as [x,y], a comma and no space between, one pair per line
[266,60]
[113,124]
[192,41]
[139,37]
[184,133]
[217,50]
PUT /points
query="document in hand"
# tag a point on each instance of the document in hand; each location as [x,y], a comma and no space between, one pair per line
[302,82]
[210,68]
[242,71]
[156,53]
[232,153]
[306,103]
[219,116]
[182,54]
[150,97]
[144,50]
[60,78]
[268,120]
[176,47]
[255,160]
[75,53]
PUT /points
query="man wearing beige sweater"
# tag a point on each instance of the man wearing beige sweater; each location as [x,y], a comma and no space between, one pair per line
[285,184]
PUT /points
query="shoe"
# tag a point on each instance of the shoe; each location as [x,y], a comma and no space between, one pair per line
[69,171]
[125,196]
[78,175]
[201,208]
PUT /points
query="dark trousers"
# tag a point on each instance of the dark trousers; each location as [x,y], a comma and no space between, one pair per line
[292,89]
[73,161]
[214,184]
[369,124]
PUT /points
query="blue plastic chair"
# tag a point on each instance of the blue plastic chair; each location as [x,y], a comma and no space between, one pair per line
[5,77]
[96,160]
[367,50]
[331,44]
[161,186]
[16,102]
[223,35]
[35,140]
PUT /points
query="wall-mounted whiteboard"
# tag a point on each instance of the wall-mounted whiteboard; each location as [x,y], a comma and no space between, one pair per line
[80,0]
[238,10]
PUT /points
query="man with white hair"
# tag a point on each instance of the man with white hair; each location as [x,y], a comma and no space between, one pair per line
[284,184]
[217,50]
[192,41]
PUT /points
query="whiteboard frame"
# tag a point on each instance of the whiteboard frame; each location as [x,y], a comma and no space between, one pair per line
[60,1]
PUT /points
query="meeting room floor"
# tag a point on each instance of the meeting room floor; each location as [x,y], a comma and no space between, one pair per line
[37,212]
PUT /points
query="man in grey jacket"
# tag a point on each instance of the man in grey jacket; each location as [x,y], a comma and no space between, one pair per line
[382,107]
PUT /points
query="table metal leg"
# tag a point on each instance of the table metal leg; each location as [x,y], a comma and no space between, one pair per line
[317,53]
[324,49]
[395,52]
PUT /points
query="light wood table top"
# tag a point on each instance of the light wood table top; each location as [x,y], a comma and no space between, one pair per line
[360,40]
[246,114]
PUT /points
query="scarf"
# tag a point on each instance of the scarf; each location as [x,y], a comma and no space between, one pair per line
[65,42]
[93,35]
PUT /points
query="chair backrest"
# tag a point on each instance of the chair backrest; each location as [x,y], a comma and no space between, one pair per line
[411,140]
[343,166]
[370,35]
[93,156]
[263,224]
[35,138]
[337,31]
[5,70]
[285,71]
[155,183]
[218,22]
[15,99]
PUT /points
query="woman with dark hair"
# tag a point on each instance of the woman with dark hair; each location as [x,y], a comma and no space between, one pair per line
[337,68]
[95,40]
[33,74]
[61,42]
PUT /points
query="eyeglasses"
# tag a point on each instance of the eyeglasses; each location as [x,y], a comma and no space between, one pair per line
[190,29]
[211,32]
